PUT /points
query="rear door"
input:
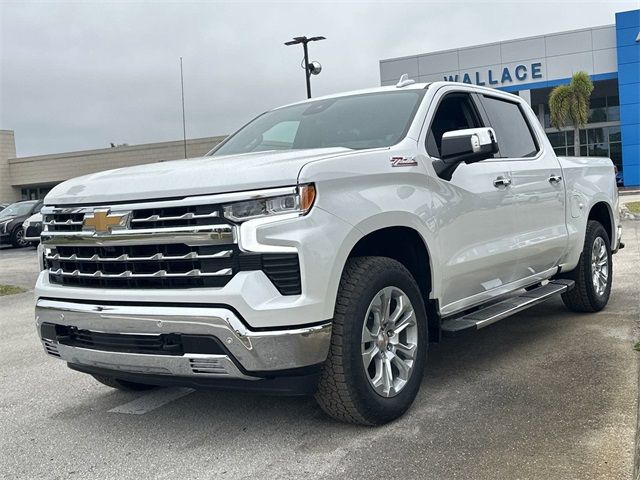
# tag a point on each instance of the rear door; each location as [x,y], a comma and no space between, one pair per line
[536,182]
[474,211]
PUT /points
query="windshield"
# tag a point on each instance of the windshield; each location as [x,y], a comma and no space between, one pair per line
[357,121]
[17,209]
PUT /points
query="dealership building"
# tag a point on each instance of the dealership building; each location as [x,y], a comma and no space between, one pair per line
[530,67]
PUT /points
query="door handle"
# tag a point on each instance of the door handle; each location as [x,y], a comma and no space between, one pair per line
[555,179]
[502,182]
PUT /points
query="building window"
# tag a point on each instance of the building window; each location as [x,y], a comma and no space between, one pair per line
[35,193]
[602,109]
[594,142]
[613,108]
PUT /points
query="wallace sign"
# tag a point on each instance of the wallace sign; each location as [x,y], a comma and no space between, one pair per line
[505,76]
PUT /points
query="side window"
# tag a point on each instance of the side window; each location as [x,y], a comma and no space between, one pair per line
[455,112]
[514,134]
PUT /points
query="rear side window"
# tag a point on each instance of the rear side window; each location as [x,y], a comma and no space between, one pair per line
[515,137]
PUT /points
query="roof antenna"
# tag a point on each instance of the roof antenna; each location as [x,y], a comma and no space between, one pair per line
[404,81]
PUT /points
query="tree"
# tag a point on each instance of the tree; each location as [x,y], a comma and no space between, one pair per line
[569,105]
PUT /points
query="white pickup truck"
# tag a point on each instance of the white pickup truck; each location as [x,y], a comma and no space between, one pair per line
[319,249]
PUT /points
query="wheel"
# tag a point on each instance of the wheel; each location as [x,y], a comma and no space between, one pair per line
[378,344]
[123,384]
[17,238]
[594,273]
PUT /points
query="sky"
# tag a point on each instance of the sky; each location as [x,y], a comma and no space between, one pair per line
[78,75]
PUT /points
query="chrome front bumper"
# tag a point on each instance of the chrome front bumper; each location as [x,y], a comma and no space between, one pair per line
[252,355]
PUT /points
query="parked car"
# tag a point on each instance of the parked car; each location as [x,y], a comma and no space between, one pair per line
[32,227]
[11,219]
[3,206]
[321,247]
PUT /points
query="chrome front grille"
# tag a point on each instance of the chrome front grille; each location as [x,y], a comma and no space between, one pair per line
[176,217]
[63,222]
[145,218]
[142,266]
[125,257]
[129,274]
[172,244]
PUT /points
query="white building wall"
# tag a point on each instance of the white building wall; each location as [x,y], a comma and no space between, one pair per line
[560,55]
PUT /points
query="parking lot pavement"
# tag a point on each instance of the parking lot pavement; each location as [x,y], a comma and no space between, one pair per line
[18,266]
[543,394]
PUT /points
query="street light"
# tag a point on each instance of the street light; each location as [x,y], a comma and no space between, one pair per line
[313,68]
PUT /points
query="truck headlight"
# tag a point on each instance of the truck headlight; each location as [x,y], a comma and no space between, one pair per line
[300,202]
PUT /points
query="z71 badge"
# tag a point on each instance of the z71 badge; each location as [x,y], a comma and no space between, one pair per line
[403,161]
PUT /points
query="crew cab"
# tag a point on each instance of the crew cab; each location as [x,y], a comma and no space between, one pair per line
[321,247]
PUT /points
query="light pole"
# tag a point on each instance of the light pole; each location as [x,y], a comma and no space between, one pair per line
[184,124]
[313,68]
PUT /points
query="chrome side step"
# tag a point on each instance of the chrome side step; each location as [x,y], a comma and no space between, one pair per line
[496,312]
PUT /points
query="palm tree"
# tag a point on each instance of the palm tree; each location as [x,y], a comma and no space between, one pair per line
[569,105]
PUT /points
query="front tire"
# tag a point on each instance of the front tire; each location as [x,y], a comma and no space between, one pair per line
[594,273]
[378,345]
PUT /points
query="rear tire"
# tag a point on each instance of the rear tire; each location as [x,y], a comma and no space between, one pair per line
[593,274]
[351,391]
[123,384]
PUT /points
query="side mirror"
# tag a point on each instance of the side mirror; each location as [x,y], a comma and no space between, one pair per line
[469,145]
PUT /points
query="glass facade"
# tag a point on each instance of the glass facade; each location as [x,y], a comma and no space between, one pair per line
[600,138]
[594,142]
[603,109]
[35,193]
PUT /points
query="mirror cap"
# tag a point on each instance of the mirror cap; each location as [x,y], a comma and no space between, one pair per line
[470,142]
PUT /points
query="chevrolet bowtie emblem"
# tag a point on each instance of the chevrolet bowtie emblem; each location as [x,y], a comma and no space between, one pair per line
[101,221]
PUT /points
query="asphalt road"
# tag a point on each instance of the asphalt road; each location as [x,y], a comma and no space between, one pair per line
[544,394]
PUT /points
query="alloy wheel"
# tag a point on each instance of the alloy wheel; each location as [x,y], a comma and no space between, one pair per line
[389,341]
[20,238]
[599,266]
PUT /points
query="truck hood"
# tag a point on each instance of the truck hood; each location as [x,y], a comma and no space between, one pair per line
[182,178]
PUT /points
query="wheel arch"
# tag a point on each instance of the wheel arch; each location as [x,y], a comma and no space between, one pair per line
[602,213]
[407,246]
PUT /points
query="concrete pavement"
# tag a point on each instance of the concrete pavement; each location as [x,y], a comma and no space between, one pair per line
[544,394]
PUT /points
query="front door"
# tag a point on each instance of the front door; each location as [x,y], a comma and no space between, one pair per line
[474,211]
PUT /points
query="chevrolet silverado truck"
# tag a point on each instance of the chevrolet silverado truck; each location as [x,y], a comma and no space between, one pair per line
[320,248]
